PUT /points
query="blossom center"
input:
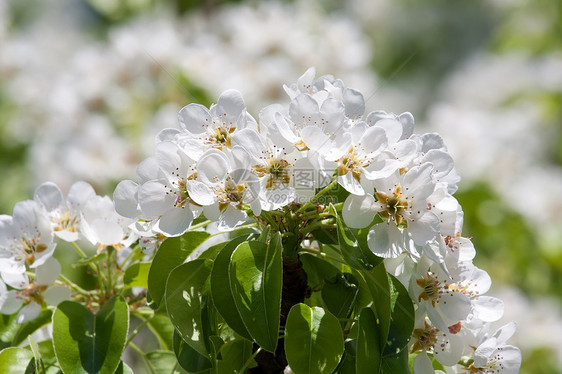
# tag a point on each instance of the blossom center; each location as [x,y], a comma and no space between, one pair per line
[394,206]
[276,171]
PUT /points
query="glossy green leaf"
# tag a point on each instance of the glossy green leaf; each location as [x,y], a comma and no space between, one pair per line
[401,318]
[353,246]
[347,362]
[233,356]
[8,329]
[137,275]
[313,340]
[368,358]
[377,282]
[123,368]
[162,329]
[30,327]
[15,360]
[163,362]
[188,358]
[339,294]
[220,289]
[397,363]
[185,302]
[88,343]
[256,281]
[173,252]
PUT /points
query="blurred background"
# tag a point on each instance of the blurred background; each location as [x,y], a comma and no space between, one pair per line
[86,84]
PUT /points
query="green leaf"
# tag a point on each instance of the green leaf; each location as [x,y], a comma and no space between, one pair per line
[30,327]
[185,302]
[137,275]
[317,270]
[89,260]
[171,253]
[256,281]
[401,318]
[163,362]
[188,358]
[123,368]
[347,362]
[88,343]
[377,282]
[8,329]
[234,355]
[220,289]
[353,246]
[368,359]
[339,294]
[396,363]
[163,330]
[313,340]
[15,360]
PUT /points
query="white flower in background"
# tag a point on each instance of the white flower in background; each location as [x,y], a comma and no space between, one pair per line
[65,214]
[30,296]
[203,129]
[26,238]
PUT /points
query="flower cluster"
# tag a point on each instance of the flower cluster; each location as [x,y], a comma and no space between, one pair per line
[224,164]
[29,237]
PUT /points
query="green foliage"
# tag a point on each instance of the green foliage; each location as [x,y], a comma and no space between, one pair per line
[187,303]
[16,360]
[313,340]
[256,280]
[88,343]
[173,252]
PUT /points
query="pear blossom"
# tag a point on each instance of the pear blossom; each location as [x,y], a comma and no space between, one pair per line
[224,187]
[65,215]
[26,238]
[30,296]
[203,129]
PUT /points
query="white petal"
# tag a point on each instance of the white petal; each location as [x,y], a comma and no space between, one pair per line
[231,218]
[153,199]
[212,212]
[50,195]
[316,140]
[373,140]
[359,211]
[15,280]
[79,193]
[449,351]
[55,295]
[385,240]
[175,222]
[454,306]
[125,198]
[229,106]
[424,228]
[354,103]
[487,308]
[200,192]
[28,312]
[212,167]
[250,140]
[422,364]
[419,182]
[10,302]
[392,129]
[351,184]
[47,273]
[194,118]
[107,232]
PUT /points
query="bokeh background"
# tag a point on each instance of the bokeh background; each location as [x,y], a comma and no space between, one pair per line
[86,84]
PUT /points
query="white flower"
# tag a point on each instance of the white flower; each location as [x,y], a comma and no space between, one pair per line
[26,238]
[494,356]
[203,128]
[64,214]
[224,188]
[162,193]
[102,225]
[32,295]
